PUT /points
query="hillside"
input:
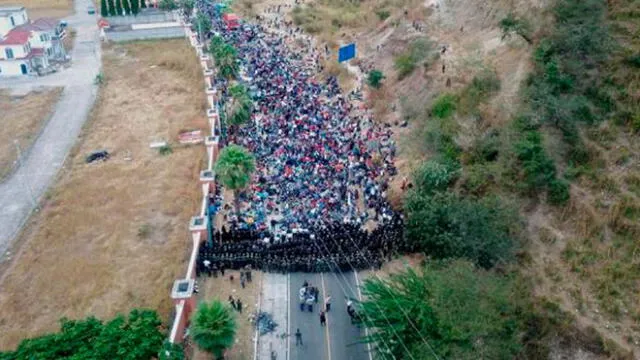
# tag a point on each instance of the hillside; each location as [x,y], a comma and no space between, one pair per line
[536,105]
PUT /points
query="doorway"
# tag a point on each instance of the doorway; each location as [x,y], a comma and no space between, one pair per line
[23,68]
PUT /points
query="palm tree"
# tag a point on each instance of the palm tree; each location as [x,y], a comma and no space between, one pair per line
[214,327]
[225,56]
[234,168]
[240,105]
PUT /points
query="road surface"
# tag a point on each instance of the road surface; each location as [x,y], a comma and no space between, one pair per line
[338,340]
[20,193]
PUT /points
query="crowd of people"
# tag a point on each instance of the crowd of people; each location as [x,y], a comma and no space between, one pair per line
[323,165]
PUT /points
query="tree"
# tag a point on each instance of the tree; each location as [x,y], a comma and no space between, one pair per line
[104,11]
[171,351]
[137,336]
[135,7]
[450,309]
[187,7]
[143,4]
[112,7]
[374,79]
[168,5]
[126,7]
[203,24]
[214,327]
[234,167]
[119,7]
[226,60]
[241,105]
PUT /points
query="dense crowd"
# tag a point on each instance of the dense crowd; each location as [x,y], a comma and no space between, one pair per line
[323,166]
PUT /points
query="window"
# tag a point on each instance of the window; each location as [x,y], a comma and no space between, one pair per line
[9,53]
[49,52]
[13,22]
[43,38]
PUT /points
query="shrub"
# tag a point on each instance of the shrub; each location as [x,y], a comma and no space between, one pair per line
[419,51]
[451,309]
[374,79]
[167,5]
[444,106]
[558,192]
[444,225]
[132,337]
[481,88]
[404,65]
[383,14]
[513,25]
[165,150]
[435,176]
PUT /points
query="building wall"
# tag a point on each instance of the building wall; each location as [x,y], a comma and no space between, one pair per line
[19,18]
[19,51]
[36,39]
[145,34]
[12,68]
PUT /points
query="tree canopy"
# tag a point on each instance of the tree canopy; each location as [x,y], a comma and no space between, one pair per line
[214,327]
[241,105]
[451,309]
[137,336]
[234,168]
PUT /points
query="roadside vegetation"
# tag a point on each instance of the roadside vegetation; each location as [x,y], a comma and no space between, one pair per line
[136,336]
[546,201]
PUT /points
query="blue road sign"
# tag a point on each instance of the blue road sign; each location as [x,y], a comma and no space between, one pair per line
[347,52]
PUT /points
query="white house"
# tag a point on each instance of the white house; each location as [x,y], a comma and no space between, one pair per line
[28,47]
[11,17]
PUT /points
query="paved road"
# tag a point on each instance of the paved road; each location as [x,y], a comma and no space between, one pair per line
[40,164]
[338,340]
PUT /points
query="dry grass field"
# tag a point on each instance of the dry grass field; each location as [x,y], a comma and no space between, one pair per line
[112,236]
[220,288]
[24,116]
[43,8]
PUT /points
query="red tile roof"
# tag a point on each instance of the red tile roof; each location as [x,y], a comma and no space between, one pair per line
[46,23]
[16,37]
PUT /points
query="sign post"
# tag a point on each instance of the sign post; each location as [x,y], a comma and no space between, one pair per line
[346,52]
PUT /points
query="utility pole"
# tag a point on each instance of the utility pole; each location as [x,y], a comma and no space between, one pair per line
[34,203]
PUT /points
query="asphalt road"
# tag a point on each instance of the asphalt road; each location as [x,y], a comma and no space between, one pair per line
[339,339]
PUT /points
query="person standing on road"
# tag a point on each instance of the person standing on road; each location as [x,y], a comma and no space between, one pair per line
[323,318]
[327,303]
[298,337]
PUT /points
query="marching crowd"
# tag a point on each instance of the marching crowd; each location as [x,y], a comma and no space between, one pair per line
[323,166]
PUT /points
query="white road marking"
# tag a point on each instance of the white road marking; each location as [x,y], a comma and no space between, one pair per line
[324,296]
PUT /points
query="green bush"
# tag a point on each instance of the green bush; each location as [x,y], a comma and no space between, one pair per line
[513,25]
[445,225]
[374,79]
[444,106]
[383,14]
[433,176]
[167,5]
[419,52]
[481,88]
[165,150]
[558,193]
[135,337]
[404,65]
[450,309]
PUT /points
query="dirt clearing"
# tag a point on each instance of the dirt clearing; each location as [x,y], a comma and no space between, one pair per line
[112,236]
[220,288]
[24,116]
